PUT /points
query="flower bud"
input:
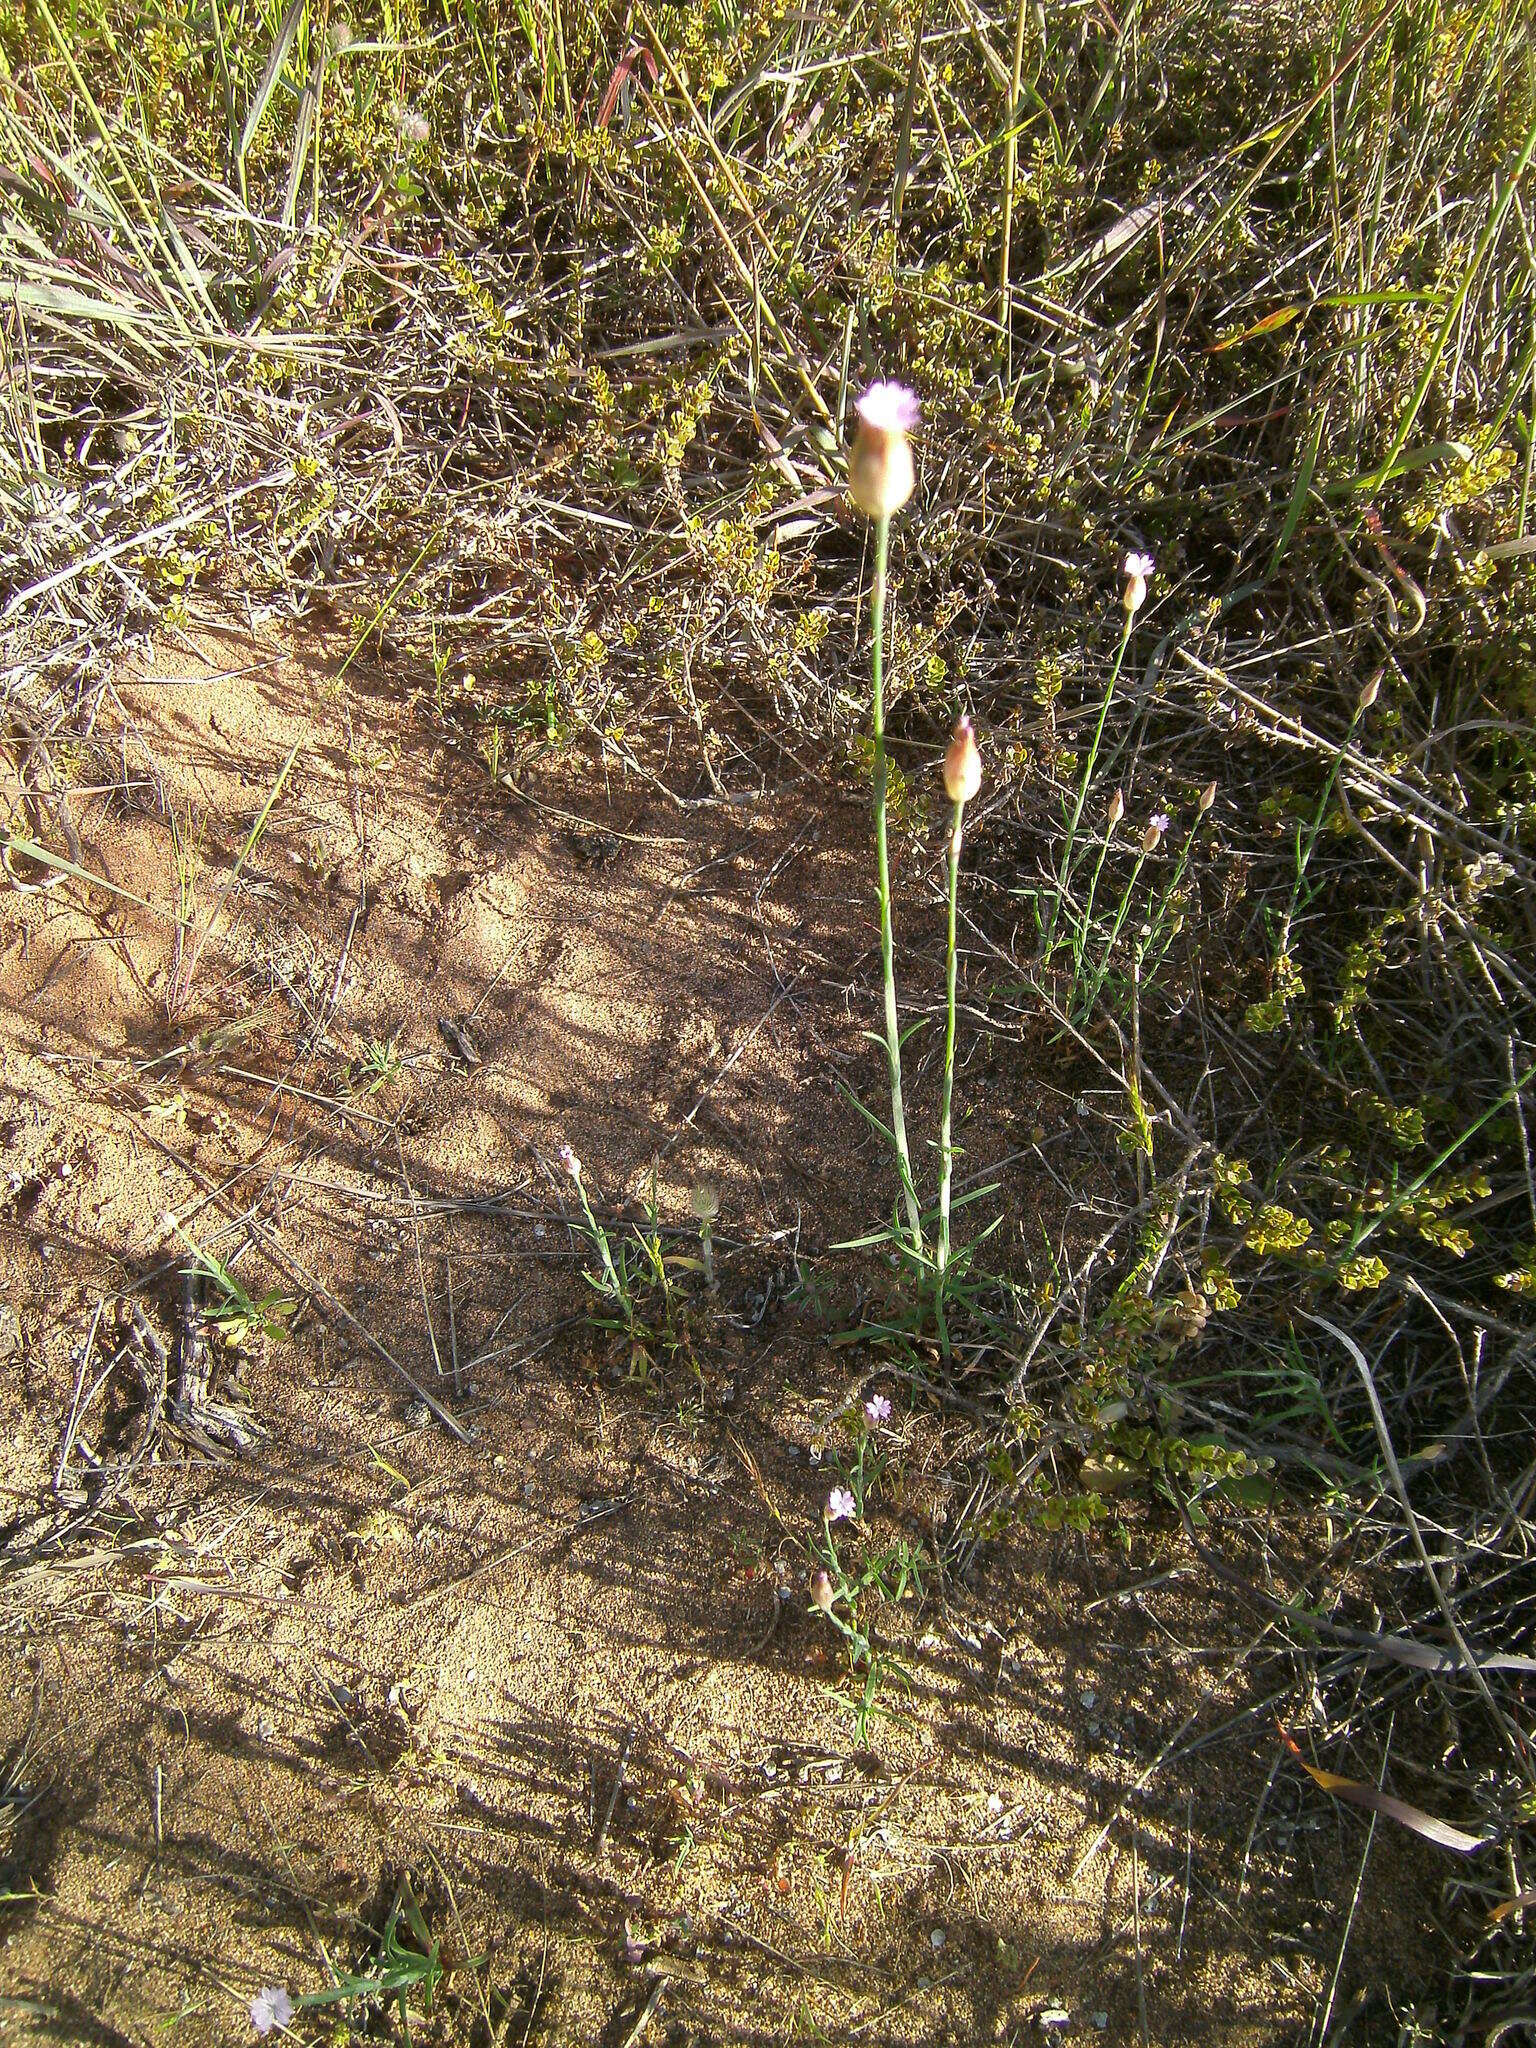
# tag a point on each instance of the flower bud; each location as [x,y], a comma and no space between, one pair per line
[821,1592]
[1116,809]
[1137,569]
[1207,798]
[880,473]
[1369,694]
[962,763]
[1151,838]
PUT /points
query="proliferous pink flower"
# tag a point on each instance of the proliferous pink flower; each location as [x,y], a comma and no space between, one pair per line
[877,1409]
[881,477]
[890,408]
[841,1505]
[271,2007]
[962,763]
[1138,568]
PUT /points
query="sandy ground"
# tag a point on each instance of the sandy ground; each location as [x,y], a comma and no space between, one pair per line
[477,1611]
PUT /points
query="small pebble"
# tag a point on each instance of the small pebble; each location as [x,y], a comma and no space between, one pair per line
[938,1937]
[1089,1697]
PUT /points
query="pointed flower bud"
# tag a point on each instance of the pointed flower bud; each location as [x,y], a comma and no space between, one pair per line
[880,473]
[1138,568]
[962,763]
[1370,693]
[1156,827]
[821,1592]
[1207,798]
[1116,809]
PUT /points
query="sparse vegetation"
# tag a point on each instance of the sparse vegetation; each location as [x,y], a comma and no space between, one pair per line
[508,356]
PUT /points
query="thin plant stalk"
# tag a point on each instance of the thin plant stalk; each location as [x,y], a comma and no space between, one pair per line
[1114,933]
[946,1145]
[1065,871]
[1080,944]
[883,884]
[1145,951]
[1304,848]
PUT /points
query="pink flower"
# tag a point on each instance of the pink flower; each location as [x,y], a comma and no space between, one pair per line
[271,2007]
[890,408]
[877,1409]
[1137,570]
[570,1162]
[881,476]
[841,1505]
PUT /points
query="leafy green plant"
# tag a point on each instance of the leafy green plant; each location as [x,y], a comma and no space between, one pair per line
[407,1964]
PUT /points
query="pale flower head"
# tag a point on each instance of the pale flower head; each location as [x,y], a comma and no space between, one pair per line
[570,1162]
[841,1505]
[881,477]
[962,763]
[706,1201]
[1137,572]
[271,2007]
[412,127]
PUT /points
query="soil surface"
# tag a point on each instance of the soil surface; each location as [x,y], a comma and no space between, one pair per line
[448,1602]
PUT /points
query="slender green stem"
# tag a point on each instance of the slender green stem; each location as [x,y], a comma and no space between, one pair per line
[946,1148]
[1084,930]
[1104,959]
[1149,949]
[883,882]
[1304,850]
[1064,874]
[599,1237]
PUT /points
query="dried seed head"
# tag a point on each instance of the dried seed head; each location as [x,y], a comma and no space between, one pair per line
[880,473]
[1116,809]
[962,763]
[1138,568]
[1370,693]
[1207,798]
[706,1201]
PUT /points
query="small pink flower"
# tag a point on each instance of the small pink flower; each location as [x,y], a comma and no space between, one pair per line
[877,1409]
[890,408]
[570,1162]
[841,1505]
[271,2007]
[1162,821]
[1138,568]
